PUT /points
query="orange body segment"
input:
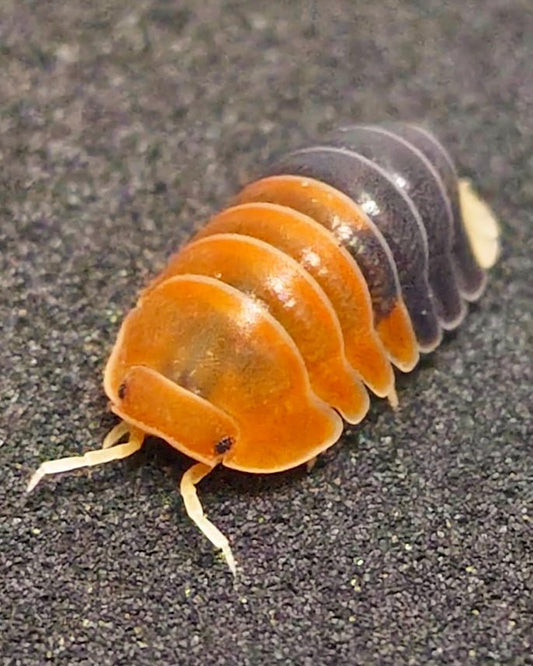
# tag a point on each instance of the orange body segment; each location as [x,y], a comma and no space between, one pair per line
[293,298]
[396,332]
[338,213]
[309,243]
[209,340]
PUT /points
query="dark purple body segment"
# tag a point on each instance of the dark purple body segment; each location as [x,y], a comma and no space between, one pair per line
[394,215]
[372,254]
[412,172]
[471,277]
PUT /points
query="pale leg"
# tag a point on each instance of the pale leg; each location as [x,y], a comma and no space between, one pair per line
[89,459]
[115,434]
[393,399]
[195,512]
[311,463]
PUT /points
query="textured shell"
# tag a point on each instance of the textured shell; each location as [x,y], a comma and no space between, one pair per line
[348,258]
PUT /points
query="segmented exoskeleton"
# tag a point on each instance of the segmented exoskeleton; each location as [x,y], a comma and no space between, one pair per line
[348,258]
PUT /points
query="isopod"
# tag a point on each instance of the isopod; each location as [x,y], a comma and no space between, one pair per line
[347,259]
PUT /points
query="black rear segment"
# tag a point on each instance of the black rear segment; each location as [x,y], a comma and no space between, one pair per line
[470,276]
[411,171]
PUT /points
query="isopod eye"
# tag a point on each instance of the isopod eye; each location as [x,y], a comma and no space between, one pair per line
[223,445]
[122,390]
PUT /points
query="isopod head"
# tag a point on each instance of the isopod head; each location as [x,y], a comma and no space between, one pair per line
[209,370]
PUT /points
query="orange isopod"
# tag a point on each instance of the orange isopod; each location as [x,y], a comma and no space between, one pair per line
[347,259]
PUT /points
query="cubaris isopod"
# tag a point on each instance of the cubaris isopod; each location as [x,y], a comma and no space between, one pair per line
[347,259]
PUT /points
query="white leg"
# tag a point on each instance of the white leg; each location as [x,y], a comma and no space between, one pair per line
[311,463]
[195,512]
[115,434]
[88,459]
[393,399]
